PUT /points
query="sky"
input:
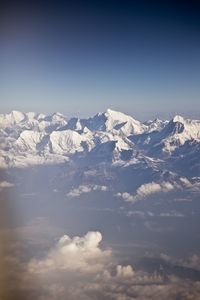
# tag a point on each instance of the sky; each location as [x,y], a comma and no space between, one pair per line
[81,57]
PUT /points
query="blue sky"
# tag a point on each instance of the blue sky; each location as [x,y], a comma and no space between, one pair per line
[135,56]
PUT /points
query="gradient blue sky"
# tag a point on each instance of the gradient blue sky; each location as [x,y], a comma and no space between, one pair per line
[81,57]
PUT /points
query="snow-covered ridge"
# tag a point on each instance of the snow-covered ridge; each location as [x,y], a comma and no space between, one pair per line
[107,121]
[35,138]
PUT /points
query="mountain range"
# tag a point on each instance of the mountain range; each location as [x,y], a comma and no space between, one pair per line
[110,149]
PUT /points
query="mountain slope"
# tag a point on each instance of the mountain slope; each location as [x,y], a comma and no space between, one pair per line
[113,146]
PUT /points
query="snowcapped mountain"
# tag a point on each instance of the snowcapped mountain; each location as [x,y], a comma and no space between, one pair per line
[129,152]
[156,125]
[171,137]
[15,117]
[109,121]
[23,133]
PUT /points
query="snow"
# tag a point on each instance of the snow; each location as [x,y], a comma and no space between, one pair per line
[108,121]
[128,124]
[183,130]
[13,118]
[156,125]
[178,118]
[111,134]
[67,141]
[28,140]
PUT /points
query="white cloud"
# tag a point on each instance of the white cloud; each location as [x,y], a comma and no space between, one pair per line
[146,190]
[175,214]
[140,213]
[78,191]
[85,267]
[124,271]
[80,254]
[151,188]
[86,189]
[78,268]
[126,197]
[135,213]
[5,184]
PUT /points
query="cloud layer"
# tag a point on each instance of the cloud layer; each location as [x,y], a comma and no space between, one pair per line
[80,268]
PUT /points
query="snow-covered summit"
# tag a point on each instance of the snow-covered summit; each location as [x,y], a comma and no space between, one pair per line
[11,119]
[111,133]
[185,129]
[178,118]
[112,120]
[173,135]
[108,121]
[120,121]
[156,125]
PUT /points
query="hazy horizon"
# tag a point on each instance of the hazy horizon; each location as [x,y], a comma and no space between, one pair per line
[149,116]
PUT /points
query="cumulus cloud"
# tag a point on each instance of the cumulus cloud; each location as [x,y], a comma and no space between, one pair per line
[126,197]
[124,271]
[79,268]
[79,254]
[146,190]
[86,189]
[5,184]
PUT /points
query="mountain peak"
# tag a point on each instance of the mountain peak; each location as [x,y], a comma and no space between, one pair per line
[178,118]
[14,117]
[17,115]
[115,114]
[55,138]
[111,111]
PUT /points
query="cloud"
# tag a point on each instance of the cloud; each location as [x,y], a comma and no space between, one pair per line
[143,214]
[140,213]
[146,190]
[124,271]
[77,254]
[5,184]
[192,261]
[86,189]
[126,196]
[80,268]
[172,214]
[136,213]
